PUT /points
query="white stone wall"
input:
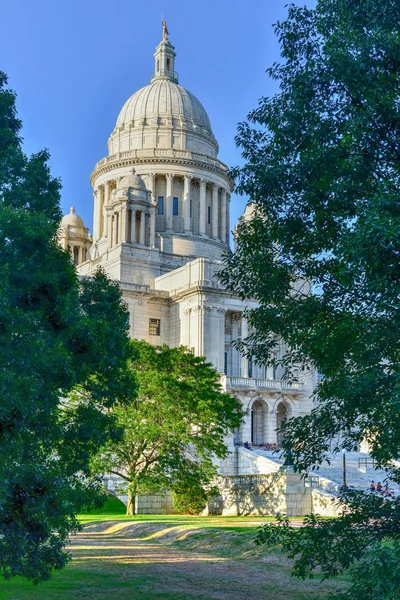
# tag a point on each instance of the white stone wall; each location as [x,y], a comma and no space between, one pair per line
[267,495]
[154,504]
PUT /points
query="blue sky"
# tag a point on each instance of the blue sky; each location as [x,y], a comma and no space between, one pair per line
[74,64]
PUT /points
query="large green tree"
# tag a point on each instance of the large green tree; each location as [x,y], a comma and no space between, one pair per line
[321,256]
[57,333]
[173,426]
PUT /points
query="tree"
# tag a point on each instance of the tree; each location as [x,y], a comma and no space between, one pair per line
[57,333]
[173,426]
[321,255]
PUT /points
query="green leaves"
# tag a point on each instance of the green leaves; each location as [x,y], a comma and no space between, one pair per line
[322,169]
[321,257]
[57,333]
[174,424]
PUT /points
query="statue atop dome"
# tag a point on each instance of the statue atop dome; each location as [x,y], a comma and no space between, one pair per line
[165,29]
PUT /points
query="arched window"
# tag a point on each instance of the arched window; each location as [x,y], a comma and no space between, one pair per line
[259,423]
[282,413]
[76,255]
[168,64]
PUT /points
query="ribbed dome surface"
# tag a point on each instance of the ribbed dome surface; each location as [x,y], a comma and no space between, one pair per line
[163,98]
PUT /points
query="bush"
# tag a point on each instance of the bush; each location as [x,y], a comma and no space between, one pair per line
[190,502]
[111,505]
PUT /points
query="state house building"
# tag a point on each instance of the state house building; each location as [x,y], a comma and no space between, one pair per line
[160,228]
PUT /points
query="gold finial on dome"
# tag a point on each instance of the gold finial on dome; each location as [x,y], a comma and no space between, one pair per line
[165,29]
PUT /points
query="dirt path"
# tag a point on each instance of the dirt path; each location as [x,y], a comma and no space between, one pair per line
[177,562]
[125,560]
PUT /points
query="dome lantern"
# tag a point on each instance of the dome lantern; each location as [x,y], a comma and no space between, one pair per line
[165,59]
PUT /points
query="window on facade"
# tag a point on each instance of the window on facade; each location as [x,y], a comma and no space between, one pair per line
[175,206]
[226,363]
[190,208]
[160,205]
[168,64]
[209,215]
[250,368]
[154,326]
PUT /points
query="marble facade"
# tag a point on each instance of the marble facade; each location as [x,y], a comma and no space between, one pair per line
[161,226]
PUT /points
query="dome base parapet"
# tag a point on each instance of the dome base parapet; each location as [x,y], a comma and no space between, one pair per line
[155,156]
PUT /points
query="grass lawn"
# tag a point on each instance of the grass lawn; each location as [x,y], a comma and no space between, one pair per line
[170,558]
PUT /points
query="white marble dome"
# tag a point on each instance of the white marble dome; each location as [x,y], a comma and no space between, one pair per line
[163,115]
[132,181]
[72,220]
[164,98]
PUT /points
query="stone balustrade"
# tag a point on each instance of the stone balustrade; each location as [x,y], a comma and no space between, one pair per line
[160,153]
[249,382]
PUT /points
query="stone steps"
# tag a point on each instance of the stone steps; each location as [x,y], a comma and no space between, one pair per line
[330,476]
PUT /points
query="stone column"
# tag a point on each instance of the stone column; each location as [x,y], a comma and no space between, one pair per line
[109,229]
[115,229]
[186,203]
[214,211]
[133,226]
[112,230]
[101,215]
[142,239]
[152,186]
[228,226]
[97,214]
[203,207]
[244,361]
[106,199]
[123,228]
[107,193]
[223,215]
[272,437]
[213,336]
[152,228]
[169,202]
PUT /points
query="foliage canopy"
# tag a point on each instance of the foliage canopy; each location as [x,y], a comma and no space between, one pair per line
[174,424]
[321,255]
[56,335]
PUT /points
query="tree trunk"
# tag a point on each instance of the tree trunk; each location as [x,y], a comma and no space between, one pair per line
[131,508]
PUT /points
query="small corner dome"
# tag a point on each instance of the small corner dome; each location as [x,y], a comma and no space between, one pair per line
[249,212]
[132,181]
[72,219]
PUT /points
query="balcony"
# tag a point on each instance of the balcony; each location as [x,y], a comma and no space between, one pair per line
[246,383]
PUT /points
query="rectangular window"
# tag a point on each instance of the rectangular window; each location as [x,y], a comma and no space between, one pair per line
[190,208]
[175,206]
[160,205]
[154,326]
[250,368]
[209,215]
[226,363]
